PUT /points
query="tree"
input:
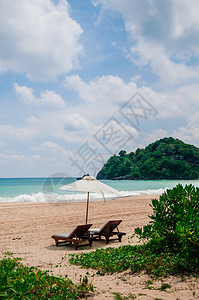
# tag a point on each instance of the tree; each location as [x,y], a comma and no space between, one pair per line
[122,153]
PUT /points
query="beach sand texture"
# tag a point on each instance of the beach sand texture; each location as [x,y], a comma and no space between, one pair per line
[26,230]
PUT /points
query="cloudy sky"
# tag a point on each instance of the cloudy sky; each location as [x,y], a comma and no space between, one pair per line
[81,80]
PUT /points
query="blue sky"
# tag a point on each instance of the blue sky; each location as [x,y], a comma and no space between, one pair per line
[80,80]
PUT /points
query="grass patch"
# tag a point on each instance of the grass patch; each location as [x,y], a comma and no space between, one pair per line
[117,296]
[136,258]
[21,282]
[165,286]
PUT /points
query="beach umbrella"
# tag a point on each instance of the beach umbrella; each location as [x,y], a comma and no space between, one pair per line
[89,184]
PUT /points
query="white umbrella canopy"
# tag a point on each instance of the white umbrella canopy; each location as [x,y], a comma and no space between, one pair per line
[89,184]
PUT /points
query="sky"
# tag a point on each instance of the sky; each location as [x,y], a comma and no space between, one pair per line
[81,80]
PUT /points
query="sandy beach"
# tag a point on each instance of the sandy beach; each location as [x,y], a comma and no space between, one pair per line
[26,230]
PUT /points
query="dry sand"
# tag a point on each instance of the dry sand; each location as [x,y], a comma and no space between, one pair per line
[26,230]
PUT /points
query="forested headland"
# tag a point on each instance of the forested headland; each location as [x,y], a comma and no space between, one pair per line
[167,158]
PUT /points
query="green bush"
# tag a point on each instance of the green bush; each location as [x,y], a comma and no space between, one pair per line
[21,282]
[175,222]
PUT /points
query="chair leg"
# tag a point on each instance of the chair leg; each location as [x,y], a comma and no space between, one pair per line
[75,245]
[120,237]
[90,242]
[107,239]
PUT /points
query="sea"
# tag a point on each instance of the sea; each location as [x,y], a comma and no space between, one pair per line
[48,189]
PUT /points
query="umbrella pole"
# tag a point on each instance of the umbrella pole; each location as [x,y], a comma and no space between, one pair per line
[87,208]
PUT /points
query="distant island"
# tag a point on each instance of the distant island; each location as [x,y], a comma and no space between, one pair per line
[167,158]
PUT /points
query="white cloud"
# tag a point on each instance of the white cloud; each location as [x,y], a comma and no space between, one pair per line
[189,133]
[181,103]
[25,93]
[187,99]
[74,122]
[136,78]
[168,71]
[150,137]
[164,35]
[107,92]
[16,133]
[111,91]
[169,23]
[7,158]
[38,38]
[114,136]
[54,148]
[102,97]
[37,157]
[166,105]
[50,98]
[60,125]
[175,73]
[114,43]
[104,89]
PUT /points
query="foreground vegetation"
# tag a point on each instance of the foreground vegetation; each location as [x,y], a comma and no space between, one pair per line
[151,258]
[21,282]
[172,237]
[167,158]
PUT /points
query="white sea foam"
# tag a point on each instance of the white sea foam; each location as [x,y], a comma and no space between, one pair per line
[77,197]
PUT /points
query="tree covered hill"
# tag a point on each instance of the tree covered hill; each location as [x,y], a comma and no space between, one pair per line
[167,158]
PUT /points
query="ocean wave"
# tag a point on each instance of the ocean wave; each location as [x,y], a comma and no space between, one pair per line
[77,197]
[141,192]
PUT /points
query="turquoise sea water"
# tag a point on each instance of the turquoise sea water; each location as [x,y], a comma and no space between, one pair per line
[47,189]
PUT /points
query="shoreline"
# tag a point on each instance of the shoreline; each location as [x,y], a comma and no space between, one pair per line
[26,230]
[72,198]
[82,200]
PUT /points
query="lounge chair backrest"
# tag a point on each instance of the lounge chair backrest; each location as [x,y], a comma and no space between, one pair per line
[80,231]
[110,226]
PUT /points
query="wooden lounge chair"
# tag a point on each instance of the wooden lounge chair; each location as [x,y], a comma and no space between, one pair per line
[107,231]
[77,236]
